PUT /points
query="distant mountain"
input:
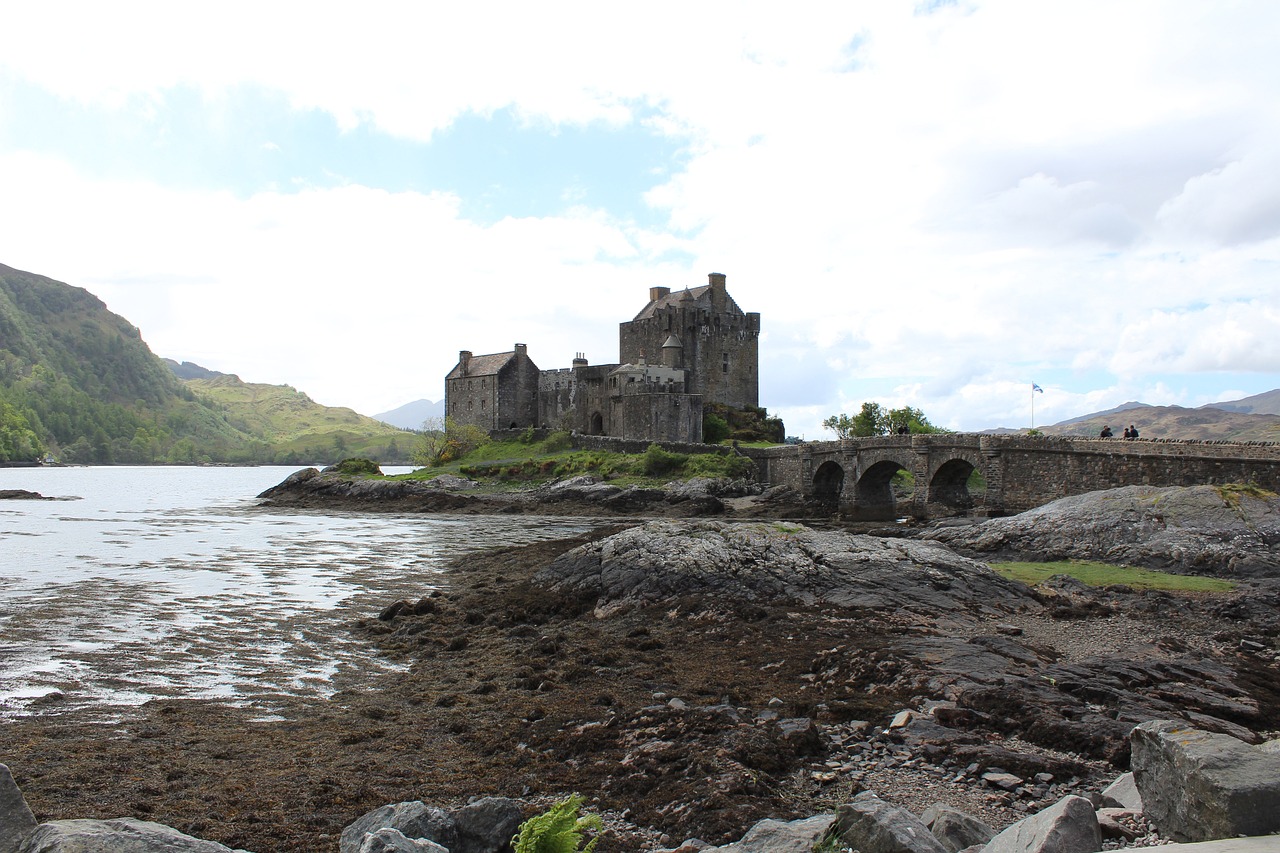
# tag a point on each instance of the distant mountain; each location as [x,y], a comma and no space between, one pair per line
[1112,413]
[1267,403]
[412,415]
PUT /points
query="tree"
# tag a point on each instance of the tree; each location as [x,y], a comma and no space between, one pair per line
[874,419]
[912,420]
[437,446]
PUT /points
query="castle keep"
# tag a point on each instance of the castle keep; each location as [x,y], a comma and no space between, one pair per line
[682,351]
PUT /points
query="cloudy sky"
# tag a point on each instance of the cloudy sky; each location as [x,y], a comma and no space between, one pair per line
[933,204]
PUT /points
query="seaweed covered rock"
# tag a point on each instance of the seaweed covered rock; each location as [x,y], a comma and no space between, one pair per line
[664,560]
[1196,529]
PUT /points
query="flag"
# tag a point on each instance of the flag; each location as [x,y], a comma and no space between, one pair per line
[1035,387]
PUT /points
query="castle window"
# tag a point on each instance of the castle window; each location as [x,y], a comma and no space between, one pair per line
[724,366]
[469,404]
[482,405]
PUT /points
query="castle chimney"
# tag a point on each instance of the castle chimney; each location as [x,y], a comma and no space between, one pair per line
[716,280]
[464,360]
[656,293]
[522,351]
[580,359]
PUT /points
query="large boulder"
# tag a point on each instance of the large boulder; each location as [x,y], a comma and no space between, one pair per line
[772,562]
[1199,786]
[388,840]
[16,819]
[486,825]
[870,825]
[955,829]
[775,836]
[1067,826]
[412,819]
[123,835]
[1199,529]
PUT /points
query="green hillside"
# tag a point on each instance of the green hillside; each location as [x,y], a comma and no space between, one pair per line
[299,429]
[78,382]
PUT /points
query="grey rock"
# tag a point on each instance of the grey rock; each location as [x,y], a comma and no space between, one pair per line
[1190,529]
[1067,826]
[1200,786]
[450,483]
[1123,794]
[413,819]
[663,560]
[1113,821]
[870,825]
[775,836]
[123,835]
[16,819]
[388,840]
[955,829]
[485,826]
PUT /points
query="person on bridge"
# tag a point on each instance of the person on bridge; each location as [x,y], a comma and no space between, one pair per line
[1106,432]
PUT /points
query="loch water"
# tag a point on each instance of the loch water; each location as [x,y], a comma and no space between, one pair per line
[142,583]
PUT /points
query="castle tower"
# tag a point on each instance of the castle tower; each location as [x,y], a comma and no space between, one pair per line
[719,341]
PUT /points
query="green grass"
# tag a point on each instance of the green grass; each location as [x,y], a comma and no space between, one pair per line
[501,464]
[1105,574]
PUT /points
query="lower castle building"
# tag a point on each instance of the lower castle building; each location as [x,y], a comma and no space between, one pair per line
[682,351]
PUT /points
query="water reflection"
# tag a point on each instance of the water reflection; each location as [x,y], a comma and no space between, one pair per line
[164,582]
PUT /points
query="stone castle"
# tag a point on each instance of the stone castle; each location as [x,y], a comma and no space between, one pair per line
[682,351]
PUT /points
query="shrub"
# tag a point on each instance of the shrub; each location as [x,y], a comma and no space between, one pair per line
[715,429]
[557,442]
[658,462]
[358,467]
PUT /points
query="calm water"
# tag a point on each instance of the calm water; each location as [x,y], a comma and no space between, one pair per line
[169,582]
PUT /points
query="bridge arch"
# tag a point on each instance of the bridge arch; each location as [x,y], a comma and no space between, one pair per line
[828,482]
[873,494]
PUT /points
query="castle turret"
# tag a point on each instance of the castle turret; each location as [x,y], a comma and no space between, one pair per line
[672,352]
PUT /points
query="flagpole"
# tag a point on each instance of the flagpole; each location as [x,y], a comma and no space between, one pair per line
[1033,405]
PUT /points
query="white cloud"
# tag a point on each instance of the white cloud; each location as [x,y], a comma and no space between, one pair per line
[941,205]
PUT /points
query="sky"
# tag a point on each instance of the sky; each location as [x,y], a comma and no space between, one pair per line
[932,204]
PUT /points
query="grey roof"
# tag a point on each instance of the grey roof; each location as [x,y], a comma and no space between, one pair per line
[696,294]
[482,365]
[672,341]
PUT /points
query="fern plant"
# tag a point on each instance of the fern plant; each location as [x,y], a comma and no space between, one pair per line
[558,830]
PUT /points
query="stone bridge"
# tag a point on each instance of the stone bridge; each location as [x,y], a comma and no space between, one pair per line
[1019,471]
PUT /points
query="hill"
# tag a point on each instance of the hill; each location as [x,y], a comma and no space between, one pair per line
[1177,422]
[413,415]
[1267,403]
[299,429]
[77,382]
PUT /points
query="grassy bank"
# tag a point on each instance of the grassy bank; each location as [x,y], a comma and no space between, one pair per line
[1104,574]
[529,461]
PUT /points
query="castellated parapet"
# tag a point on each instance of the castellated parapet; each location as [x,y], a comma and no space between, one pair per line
[682,350]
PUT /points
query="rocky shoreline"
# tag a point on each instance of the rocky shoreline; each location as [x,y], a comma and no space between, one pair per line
[694,677]
[579,496]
